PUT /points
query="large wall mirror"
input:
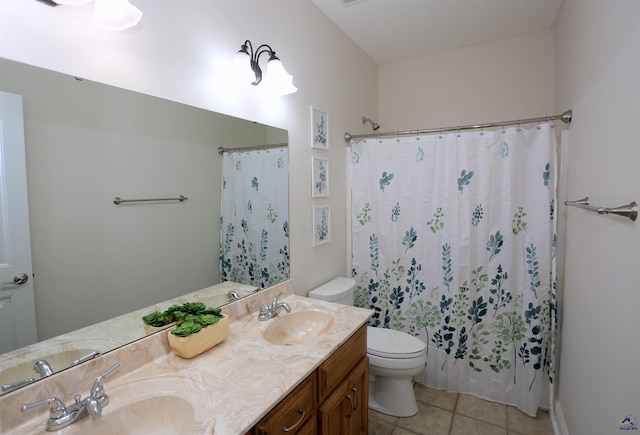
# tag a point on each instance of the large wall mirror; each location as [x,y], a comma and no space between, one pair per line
[87,143]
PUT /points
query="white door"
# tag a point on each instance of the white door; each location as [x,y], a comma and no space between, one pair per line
[17,307]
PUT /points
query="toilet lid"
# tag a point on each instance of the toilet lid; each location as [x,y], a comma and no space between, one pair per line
[389,343]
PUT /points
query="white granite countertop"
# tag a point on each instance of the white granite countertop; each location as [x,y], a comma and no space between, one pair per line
[230,387]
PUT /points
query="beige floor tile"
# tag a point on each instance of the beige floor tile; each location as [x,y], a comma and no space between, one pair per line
[483,410]
[378,426]
[380,416]
[429,420]
[400,431]
[439,398]
[465,425]
[520,422]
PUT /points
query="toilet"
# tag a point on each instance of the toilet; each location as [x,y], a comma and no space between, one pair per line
[395,357]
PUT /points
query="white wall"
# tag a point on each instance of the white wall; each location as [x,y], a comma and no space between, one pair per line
[498,81]
[182,51]
[597,58]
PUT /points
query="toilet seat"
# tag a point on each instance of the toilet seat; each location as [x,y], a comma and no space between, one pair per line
[389,343]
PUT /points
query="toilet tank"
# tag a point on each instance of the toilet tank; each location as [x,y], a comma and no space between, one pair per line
[340,290]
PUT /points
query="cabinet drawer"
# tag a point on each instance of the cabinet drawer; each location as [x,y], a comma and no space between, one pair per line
[340,364]
[292,412]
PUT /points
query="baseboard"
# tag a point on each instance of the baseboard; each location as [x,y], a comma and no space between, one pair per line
[559,423]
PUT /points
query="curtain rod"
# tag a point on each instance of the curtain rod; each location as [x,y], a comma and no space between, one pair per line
[565,117]
[222,150]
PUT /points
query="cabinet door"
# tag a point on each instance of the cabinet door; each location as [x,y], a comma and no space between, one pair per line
[335,412]
[358,388]
[346,410]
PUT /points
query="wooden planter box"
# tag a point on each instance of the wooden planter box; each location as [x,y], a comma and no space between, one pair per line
[201,341]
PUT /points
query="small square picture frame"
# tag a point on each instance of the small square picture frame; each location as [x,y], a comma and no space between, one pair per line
[319,177]
[321,224]
[319,129]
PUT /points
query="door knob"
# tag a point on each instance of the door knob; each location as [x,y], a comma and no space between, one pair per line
[19,279]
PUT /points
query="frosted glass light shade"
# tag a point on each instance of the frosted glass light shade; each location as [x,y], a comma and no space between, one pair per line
[277,79]
[242,72]
[73,2]
[115,14]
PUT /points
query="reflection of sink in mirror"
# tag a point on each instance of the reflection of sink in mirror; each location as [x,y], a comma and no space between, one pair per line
[297,328]
[153,415]
[24,370]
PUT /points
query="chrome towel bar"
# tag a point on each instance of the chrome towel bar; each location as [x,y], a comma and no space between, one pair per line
[117,200]
[630,210]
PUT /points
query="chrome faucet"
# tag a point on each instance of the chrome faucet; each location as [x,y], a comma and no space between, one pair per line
[43,368]
[61,416]
[233,296]
[269,311]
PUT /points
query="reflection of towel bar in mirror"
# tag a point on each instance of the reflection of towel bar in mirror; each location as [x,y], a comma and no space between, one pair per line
[630,210]
[117,200]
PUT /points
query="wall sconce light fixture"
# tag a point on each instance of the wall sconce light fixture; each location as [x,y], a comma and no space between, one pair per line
[107,14]
[247,69]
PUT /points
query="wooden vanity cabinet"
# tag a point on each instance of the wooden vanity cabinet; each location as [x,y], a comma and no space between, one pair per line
[340,396]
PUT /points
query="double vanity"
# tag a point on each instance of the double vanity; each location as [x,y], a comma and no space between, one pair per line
[301,372]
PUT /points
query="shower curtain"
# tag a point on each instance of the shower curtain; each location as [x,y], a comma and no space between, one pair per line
[254,222]
[454,243]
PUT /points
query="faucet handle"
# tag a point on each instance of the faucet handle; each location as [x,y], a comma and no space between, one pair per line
[57,407]
[255,306]
[98,390]
[275,299]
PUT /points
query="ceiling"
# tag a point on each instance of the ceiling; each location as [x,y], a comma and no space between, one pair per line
[394,30]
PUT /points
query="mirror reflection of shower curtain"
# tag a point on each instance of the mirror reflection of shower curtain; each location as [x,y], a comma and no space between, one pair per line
[254,222]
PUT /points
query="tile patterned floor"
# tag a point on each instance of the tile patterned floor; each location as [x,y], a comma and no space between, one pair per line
[442,413]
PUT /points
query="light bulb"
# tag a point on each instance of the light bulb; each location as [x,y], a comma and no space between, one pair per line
[115,14]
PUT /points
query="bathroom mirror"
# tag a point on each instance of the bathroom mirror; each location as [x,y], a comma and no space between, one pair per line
[87,143]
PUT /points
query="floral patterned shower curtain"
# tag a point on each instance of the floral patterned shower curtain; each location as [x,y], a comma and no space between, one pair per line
[254,222]
[454,242]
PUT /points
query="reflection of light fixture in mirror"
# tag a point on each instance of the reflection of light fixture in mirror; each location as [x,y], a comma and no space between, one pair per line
[108,14]
[247,69]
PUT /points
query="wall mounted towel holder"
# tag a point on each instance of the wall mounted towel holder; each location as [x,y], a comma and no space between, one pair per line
[630,210]
[117,200]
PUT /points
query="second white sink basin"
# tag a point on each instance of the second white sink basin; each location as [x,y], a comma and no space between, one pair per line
[298,327]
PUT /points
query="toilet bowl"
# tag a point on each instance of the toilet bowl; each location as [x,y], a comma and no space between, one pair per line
[394,357]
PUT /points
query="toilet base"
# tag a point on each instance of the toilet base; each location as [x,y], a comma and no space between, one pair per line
[392,396]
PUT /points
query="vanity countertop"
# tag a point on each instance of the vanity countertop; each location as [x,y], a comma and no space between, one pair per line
[231,386]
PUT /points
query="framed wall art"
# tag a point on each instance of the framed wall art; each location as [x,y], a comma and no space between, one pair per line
[321,224]
[319,129]
[319,177]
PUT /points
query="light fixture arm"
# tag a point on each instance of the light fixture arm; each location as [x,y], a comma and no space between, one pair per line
[254,58]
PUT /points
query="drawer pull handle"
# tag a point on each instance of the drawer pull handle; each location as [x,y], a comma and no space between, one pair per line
[350,401]
[290,428]
[355,393]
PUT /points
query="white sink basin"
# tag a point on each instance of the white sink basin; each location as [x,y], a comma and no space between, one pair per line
[298,327]
[160,405]
[162,415]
